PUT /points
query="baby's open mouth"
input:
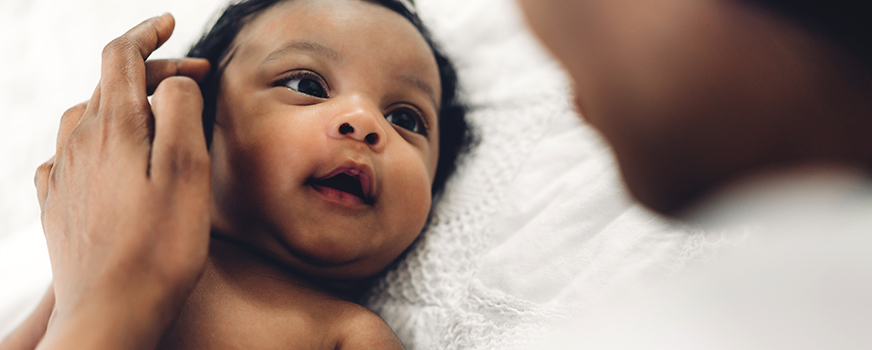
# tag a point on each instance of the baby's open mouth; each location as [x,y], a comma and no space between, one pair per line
[348,182]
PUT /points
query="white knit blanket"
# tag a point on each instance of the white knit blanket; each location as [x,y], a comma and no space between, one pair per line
[534,227]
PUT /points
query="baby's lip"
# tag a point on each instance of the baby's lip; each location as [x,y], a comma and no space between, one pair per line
[362,172]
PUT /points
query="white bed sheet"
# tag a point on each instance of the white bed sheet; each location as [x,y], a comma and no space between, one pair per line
[535,225]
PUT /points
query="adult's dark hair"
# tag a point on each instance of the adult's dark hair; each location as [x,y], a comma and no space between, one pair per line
[215,45]
[845,22]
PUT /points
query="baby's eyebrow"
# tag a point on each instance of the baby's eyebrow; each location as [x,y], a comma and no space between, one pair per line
[304,46]
[423,86]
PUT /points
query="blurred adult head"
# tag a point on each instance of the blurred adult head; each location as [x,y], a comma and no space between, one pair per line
[693,94]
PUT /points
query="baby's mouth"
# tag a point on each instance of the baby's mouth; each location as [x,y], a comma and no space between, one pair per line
[348,182]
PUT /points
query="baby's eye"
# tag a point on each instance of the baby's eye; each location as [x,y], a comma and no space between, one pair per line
[406,119]
[307,86]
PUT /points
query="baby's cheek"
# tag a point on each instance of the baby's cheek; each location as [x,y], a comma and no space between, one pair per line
[412,193]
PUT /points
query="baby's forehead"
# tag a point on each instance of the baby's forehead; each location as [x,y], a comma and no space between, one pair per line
[349,32]
[339,24]
[327,20]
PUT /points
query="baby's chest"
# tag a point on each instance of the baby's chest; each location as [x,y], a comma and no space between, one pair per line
[217,319]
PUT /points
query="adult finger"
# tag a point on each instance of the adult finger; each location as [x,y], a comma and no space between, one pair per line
[179,146]
[122,74]
[69,121]
[158,70]
[43,173]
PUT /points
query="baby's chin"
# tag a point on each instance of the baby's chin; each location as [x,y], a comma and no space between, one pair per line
[339,263]
[239,261]
[327,256]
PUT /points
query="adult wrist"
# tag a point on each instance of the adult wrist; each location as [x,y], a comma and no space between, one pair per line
[134,320]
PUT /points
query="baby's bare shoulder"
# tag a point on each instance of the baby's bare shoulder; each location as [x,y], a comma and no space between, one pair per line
[361,328]
[339,324]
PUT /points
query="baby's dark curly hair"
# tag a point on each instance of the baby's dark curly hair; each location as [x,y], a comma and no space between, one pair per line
[454,132]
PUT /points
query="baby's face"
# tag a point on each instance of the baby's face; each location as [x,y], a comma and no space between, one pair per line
[326,141]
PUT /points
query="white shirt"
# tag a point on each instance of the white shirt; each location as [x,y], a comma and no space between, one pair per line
[798,277]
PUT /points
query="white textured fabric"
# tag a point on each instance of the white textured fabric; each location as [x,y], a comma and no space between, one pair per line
[534,227]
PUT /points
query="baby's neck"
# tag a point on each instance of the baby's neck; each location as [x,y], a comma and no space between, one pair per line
[245,266]
[244,298]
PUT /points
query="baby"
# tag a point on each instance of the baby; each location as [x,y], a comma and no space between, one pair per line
[332,124]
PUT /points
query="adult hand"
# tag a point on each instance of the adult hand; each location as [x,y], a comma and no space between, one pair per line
[125,202]
[31,331]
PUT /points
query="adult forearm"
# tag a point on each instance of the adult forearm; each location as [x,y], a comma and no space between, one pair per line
[31,331]
[121,319]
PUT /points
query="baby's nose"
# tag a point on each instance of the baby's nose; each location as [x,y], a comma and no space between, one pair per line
[371,138]
[359,122]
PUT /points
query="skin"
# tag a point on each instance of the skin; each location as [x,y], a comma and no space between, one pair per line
[694,95]
[269,141]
